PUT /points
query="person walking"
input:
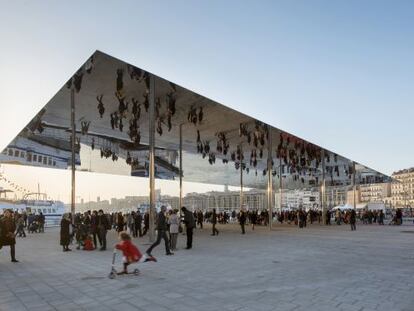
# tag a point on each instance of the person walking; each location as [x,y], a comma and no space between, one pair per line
[65,232]
[352,219]
[20,226]
[381,218]
[174,223]
[214,222]
[189,226]
[242,220]
[328,217]
[253,218]
[103,226]
[41,222]
[146,222]
[162,233]
[119,223]
[200,218]
[7,236]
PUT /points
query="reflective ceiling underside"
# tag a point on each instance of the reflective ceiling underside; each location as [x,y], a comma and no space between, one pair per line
[112,126]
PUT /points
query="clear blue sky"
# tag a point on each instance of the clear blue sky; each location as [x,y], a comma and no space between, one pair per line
[338,73]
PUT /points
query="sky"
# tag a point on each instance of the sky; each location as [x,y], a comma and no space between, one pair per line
[337,73]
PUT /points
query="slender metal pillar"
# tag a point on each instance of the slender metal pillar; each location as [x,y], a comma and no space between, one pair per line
[241,176]
[354,183]
[181,168]
[269,181]
[73,151]
[323,189]
[152,211]
[280,184]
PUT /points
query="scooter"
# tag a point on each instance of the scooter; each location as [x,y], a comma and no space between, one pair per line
[113,274]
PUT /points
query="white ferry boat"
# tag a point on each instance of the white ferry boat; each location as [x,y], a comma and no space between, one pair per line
[36,203]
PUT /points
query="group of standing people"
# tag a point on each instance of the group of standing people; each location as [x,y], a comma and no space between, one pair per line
[91,225]
[90,228]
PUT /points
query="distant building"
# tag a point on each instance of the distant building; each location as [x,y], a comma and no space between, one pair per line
[375,193]
[351,197]
[229,200]
[295,199]
[336,195]
[402,191]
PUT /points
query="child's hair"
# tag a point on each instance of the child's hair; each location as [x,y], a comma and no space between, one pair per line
[125,236]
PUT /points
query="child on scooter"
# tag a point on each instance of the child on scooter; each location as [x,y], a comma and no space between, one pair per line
[130,252]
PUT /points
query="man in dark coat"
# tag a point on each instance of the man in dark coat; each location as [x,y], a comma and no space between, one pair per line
[41,222]
[200,219]
[189,225]
[214,222]
[103,226]
[146,223]
[7,229]
[242,220]
[162,233]
[352,219]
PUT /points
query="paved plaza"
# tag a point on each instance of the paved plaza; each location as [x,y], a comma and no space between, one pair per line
[316,268]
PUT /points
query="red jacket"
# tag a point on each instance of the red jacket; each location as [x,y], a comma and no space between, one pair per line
[129,250]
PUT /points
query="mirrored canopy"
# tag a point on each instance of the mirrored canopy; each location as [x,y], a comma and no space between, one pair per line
[112,135]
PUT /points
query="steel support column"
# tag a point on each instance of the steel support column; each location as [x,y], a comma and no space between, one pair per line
[73,151]
[280,184]
[323,189]
[269,180]
[354,183]
[151,143]
[181,169]
[241,176]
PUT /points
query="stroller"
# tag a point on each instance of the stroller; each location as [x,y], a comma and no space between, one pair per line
[114,273]
[33,227]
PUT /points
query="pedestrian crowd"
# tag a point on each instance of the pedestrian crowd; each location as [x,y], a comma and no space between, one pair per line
[89,230]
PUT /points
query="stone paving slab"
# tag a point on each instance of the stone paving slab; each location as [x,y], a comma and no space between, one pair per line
[316,268]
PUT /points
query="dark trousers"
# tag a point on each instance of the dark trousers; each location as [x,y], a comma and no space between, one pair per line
[242,228]
[161,234]
[215,231]
[13,251]
[145,230]
[189,237]
[102,237]
[21,232]
[353,227]
[200,223]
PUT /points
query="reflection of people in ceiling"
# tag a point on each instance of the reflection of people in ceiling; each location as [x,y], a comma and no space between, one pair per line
[101,107]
